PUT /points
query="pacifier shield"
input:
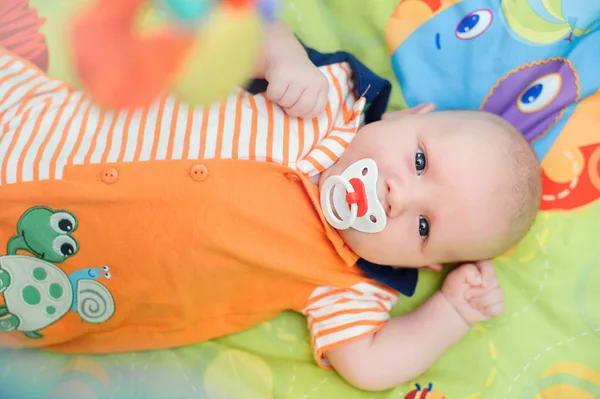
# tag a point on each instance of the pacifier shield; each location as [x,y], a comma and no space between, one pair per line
[350,199]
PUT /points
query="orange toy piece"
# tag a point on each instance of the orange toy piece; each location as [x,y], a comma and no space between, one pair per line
[117,66]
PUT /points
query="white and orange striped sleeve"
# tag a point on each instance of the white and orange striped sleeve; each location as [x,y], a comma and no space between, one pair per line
[337,126]
[22,84]
[338,316]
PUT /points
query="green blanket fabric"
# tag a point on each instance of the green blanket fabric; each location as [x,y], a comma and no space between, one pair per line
[546,345]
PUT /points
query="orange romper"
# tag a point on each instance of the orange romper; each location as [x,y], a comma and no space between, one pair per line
[172,224]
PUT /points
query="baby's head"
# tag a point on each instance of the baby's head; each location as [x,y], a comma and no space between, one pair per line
[452,186]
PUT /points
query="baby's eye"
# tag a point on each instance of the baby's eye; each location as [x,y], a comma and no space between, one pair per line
[423,227]
[420,162]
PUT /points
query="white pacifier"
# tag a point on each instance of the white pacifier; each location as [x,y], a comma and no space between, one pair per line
[350,200]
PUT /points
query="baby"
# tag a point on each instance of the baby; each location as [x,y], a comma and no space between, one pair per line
[172,224]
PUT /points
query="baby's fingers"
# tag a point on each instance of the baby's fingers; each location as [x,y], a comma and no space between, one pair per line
[488,275]
[319,105]
[305,104]
[471,274]
[494,310]
[488,299]
[276,90]
[292,97]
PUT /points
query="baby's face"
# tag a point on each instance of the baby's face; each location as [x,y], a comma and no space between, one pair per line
[442,190]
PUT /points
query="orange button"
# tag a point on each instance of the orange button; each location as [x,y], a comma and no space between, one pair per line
[109,175]
[292,177]
[198,172]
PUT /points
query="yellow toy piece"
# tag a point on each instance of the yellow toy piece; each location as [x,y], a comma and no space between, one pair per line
[223,56]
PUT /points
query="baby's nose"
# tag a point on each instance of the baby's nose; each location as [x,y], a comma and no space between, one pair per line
[403,196]
[395,199]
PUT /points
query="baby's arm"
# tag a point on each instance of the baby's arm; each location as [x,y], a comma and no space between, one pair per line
[408,345]
[279,45]
[403,349]
[295,83]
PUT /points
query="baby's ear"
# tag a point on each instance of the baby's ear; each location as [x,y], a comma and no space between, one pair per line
[418,110]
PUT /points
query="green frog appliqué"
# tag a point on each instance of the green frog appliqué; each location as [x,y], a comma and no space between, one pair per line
[37,293]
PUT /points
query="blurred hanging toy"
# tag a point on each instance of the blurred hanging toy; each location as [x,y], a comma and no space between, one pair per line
[204,50]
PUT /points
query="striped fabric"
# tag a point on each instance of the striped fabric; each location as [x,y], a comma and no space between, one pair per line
[45,125]
[339,316]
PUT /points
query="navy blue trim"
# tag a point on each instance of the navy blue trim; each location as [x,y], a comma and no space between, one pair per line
[377,96]
[403,280]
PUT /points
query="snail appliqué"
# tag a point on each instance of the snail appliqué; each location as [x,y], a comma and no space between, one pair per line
[37,293]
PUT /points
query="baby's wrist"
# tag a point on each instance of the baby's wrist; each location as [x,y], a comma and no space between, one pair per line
[284,50]
[285,57]
[456,311]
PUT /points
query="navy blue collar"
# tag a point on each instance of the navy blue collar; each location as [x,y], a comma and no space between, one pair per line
[403,280]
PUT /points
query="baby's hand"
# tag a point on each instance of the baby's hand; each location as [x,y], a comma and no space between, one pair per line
[474,292]
[298,86]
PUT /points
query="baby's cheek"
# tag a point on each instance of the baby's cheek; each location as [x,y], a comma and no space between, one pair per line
[352,239]
[363,245]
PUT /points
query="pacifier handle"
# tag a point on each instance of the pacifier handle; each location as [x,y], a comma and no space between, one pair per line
[352,199]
